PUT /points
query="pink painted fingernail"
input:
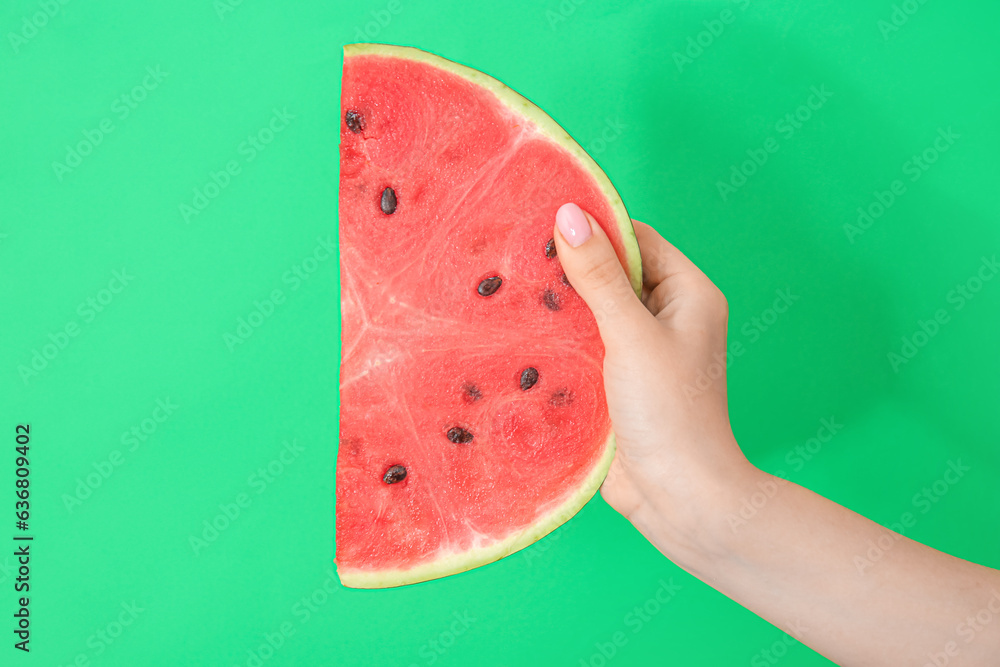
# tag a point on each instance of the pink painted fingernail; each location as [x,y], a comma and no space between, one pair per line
[573,224]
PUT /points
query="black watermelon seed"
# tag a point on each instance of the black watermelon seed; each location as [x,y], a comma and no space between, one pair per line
[459,435]
[472,393]
[565,280]
[551,300]
[550,248]
[394,474]
[355,121]
[561,398]
[528,378]
[388,201]
[489,286]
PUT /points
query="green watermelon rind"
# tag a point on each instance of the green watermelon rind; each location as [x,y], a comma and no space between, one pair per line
[462,561]
[550,128]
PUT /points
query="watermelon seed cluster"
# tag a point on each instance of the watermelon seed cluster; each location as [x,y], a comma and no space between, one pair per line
[487,287]
[553,300]
[462,436]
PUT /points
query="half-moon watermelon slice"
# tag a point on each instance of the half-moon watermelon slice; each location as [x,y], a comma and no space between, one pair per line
[472,418]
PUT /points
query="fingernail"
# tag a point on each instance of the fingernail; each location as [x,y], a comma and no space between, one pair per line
[573,224]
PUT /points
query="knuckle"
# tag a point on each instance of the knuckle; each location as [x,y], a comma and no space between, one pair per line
[713,301]
[718,304]
[719,301]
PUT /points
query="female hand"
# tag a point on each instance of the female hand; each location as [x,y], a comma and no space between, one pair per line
[675,443]
[679,477]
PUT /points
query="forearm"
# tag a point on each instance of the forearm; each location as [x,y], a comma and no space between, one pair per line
[800,561]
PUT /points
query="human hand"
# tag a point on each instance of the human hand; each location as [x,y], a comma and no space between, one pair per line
[676,449]
[678,473]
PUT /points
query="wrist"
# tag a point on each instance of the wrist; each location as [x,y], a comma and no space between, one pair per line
[691,518]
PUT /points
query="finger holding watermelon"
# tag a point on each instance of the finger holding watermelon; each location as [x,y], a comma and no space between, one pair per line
[655,347]
[679,476]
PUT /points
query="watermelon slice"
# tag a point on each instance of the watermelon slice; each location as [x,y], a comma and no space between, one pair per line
[473,420]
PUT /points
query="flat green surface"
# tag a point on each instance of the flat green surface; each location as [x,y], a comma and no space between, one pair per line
[666,130]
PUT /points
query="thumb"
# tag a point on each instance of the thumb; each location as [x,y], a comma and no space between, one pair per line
[593,269]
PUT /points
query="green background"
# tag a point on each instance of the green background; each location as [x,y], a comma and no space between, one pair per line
[666,130]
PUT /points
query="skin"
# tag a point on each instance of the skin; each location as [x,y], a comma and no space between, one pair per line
[680,478]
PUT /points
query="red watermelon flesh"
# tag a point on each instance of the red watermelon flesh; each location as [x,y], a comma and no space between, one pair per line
[473,419]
